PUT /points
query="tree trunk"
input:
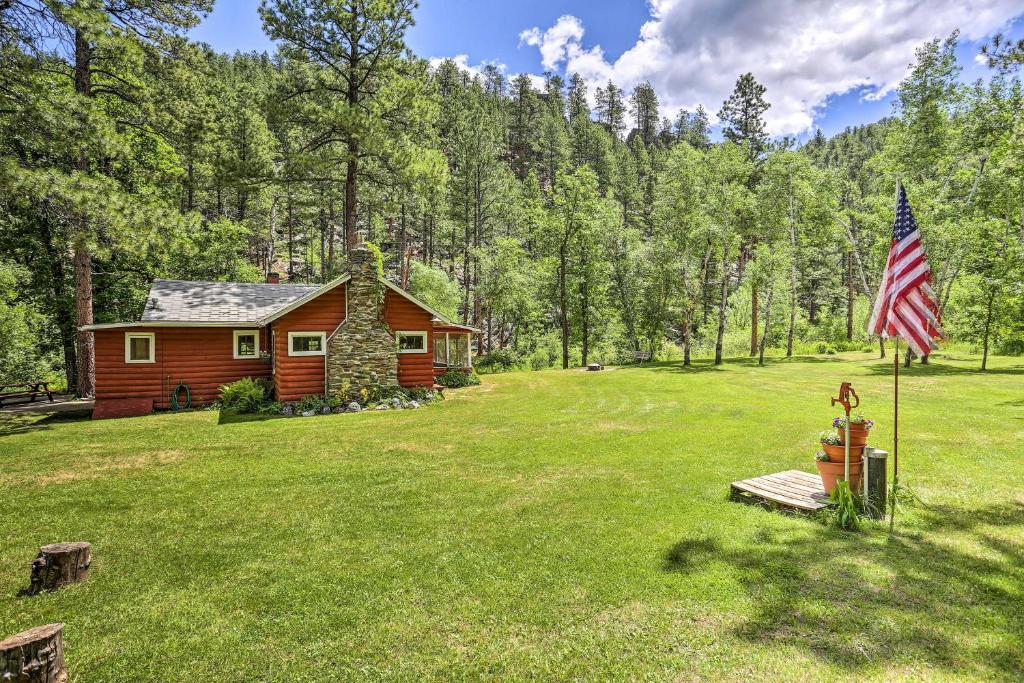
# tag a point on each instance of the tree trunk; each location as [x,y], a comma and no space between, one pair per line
[754,306]
[722,302]
[331,220]
[907,358]
[351,189]
[62,311]
[988,327]
[59,565]
[584,313]
[81,241]
[868,289]
[564,313]
[849,296]
[767,324]
[34,656]
[687,334]
[792,279]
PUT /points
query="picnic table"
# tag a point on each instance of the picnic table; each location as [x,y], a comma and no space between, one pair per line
[29,390]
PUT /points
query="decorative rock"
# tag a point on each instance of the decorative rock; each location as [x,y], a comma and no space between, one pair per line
[354,407]
[288,410]
[34,656]
[396,402]
[337,410]
[326,410]
[308,413]
[383,406]
[414,404]
[60,564]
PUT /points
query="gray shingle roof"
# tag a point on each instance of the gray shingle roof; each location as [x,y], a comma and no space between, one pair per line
[184,301]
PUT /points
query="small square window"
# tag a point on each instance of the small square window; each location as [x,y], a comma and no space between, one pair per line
[412,342]
[306,343]
[247,344]
[139,347]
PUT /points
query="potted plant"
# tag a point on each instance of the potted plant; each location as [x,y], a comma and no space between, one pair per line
[832,444]
[858,431]
[832,470]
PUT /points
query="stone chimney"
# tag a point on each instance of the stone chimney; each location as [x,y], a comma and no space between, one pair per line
[273,278]
[363,349]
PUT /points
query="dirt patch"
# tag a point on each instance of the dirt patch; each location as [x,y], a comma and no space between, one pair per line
[95,468]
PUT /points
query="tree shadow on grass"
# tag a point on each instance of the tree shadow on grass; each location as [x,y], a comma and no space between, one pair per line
[20,423]
[937,368]
[707,364]
[867,600]
[226,417]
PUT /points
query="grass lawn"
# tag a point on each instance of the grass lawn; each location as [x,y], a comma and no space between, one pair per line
[552,525]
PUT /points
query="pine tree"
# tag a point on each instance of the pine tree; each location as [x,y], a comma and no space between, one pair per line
[643,105]
[742,116]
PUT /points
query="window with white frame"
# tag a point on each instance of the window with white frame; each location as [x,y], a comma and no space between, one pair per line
[307,343]
[451,350]
[246,344]
[139,347]
[411,342]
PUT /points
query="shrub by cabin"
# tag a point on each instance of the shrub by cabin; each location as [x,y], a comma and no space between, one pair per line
[356,331]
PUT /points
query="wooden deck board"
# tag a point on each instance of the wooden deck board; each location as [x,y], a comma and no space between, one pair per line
[792,488]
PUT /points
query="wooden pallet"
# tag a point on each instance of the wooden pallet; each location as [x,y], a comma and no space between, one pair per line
[790,489]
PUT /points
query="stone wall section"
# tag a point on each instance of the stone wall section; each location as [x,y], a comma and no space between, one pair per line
[363,349]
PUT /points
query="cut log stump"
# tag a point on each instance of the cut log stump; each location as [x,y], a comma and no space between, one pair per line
[34,656]
[60,564]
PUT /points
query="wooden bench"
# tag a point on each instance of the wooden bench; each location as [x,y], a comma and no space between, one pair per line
[641,356]
[29,390]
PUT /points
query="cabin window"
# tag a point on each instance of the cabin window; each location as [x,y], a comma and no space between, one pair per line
[412,342]
[307,343]
[458,352]
[247,344]
[440,350]
[139,347]
[451,350]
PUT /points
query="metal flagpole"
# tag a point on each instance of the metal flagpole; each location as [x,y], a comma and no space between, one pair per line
[895,411]
[895,434]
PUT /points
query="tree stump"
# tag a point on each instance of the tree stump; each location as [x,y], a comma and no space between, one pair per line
[60,564]
[34,656]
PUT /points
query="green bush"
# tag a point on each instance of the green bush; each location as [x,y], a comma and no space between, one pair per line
[500,360]
[246,395]
[454,379]
[825,347]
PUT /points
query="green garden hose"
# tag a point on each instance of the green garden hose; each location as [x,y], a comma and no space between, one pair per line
[174,397]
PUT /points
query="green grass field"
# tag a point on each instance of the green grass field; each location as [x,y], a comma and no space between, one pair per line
[551,525]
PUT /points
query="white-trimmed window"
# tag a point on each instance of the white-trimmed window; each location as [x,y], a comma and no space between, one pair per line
[452,350]
[246,344]
[139,347]
[411,342]
[307,343]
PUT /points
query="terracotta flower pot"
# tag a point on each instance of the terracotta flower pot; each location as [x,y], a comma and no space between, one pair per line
[831,472]
[858,435]
[838,453]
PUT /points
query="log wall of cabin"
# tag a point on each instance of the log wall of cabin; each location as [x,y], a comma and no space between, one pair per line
[201,357]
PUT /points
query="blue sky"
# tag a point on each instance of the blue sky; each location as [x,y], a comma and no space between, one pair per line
[824,65]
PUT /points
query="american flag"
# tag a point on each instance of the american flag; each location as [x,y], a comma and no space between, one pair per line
[905,305]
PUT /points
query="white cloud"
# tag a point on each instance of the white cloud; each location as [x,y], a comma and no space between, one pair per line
[803,51]
[475,70]
[462,61]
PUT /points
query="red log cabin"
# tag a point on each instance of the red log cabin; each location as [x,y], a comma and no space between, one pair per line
[308,339]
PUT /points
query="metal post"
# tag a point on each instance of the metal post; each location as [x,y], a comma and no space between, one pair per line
[895,433]
[874,481]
